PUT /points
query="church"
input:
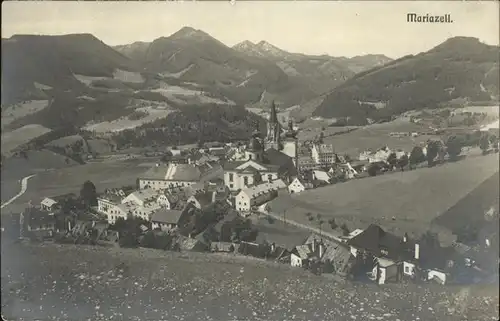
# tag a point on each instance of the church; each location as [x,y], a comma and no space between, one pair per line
[266,159]
[277,138]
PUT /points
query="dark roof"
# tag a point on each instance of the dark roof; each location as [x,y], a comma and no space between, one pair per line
[36,217]
[254,145]
[167,216]
[338,255]
[204,198]
[232,165]
[374,239]
[228,218]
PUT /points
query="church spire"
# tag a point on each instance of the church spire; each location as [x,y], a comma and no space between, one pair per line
[273,118]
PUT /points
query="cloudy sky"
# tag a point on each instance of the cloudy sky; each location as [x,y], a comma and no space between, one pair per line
[336,28]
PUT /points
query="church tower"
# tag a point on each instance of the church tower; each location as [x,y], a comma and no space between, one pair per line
[273,130]
[254,150]
[290,143]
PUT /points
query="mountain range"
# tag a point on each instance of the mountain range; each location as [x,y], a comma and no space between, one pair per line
[87,82]
[459,71]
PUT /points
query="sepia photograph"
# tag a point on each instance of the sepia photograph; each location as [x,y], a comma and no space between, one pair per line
[250,160]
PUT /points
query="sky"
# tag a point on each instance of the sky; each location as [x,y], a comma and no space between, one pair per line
[346,28]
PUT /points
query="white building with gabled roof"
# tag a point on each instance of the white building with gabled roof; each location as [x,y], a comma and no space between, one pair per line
[257,195]
[141,197]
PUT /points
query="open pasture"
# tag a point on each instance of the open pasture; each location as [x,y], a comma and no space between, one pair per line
[70,180]
[413,198]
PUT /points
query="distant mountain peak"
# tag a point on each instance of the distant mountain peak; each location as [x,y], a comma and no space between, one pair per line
[190,33]
[244,45]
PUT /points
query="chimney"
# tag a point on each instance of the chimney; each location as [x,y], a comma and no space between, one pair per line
[314,245]
[405,238]
[417,251]
[213,197]
[321,247]
[273,247]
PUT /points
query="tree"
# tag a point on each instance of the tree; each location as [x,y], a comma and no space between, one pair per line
[373,169]
[484,143]
[392,159]
[454,147]
[403,162]
[417,156]
[432,152]
[494,142]
[88,194]
[321,137]
[333,224]
[345,229]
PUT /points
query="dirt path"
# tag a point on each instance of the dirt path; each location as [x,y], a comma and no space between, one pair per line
[24,187]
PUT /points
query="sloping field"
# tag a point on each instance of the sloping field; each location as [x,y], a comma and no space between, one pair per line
[20,136]
[14,169]
[90,283]
[414,198]
[128,76]
[471,209]
[66,141]
[151,114]
[16,111]
[70,180]
[376,136]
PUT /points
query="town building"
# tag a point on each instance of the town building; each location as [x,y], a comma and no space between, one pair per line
[257,195]
[141,197]
[384,251]
[240,175]
[173,175]
[299,185]
[167,200]
[323,154]
[165,219]
[48,204]
[202,199]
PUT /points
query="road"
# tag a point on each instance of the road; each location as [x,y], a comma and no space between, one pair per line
[24,187]
[302,226]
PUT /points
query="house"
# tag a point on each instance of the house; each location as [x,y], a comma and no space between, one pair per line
[178,175]
[184,243]
[202,199]
[359,165]
[41,223]
[141,197]
[165,219]
[278,254]
[301,255]
[226,247]
[257,195]
[306,162]
[111,206]
[253,249]
[299,185]
[384,252]
[385,270]
[167,200]
[344,170]
[48,204]
[239,175]
[323,154]
[321,176]
[145,212]
[337,258]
